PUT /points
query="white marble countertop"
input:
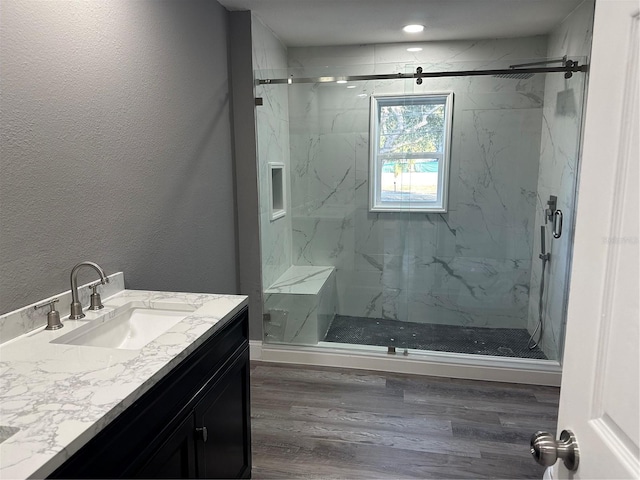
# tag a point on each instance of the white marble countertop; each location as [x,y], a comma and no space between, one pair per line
[60,396]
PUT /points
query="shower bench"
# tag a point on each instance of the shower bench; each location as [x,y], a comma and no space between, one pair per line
[300,305]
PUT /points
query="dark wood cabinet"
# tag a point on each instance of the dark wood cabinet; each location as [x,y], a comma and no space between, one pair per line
[224,415]
[194,423]
[176,457]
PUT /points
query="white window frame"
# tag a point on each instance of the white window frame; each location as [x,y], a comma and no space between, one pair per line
[375,164]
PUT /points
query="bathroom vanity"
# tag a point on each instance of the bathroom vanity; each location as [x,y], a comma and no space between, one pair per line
[176,407]
[193,423]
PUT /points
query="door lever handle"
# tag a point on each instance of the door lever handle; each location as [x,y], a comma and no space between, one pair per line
[546,449]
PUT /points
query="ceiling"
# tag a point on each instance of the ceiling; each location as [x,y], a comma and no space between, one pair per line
[304,23]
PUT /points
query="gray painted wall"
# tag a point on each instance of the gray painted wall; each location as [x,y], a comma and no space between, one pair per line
[244,134]
[115,146]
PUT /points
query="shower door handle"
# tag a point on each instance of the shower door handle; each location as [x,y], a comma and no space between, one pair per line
[557,224]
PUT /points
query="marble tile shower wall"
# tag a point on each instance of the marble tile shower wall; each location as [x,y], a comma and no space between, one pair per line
[272,122]
[469,266]
[559,151]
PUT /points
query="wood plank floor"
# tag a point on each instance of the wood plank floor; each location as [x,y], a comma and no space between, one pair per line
[314,422]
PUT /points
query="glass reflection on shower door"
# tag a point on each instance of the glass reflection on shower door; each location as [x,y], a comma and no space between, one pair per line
[468,269]
[396,229]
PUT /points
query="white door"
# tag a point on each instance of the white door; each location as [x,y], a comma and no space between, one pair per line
[601,376]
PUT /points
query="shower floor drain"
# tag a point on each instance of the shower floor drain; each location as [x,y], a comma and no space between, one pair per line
[503,342]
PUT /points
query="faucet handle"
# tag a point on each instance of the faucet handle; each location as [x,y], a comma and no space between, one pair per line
[96,301]
[50,303]
[53,317]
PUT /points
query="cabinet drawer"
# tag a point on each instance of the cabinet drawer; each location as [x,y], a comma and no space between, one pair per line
[127,442]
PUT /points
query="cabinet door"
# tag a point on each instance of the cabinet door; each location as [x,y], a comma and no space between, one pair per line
[176,457]
[224,413]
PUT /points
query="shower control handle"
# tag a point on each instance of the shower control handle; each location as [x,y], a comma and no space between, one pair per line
[551,208]
[546,450]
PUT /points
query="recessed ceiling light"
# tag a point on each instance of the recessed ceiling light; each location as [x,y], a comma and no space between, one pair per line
[362,95]
[351,86]
[414,49]
[341,81]
[413,28]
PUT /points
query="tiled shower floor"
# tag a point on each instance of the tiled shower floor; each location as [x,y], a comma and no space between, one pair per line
[504,342]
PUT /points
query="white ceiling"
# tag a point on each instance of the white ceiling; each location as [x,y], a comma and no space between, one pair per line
[303,23]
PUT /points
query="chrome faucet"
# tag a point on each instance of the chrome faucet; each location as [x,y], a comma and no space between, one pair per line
[76,306]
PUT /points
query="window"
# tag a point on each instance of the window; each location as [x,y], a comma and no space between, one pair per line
[410,136]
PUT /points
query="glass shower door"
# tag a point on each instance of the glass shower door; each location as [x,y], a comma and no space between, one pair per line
[464,279]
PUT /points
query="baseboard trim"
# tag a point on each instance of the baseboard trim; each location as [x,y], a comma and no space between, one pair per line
[255,349]
[439,364]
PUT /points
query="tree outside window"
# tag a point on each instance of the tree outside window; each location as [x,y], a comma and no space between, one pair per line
[410,137]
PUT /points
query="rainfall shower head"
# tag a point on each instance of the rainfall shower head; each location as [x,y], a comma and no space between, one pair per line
[515,75]
[524,75]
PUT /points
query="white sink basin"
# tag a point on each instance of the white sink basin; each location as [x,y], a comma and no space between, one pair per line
[129,327]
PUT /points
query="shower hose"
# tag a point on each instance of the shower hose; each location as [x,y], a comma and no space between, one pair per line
[531,343]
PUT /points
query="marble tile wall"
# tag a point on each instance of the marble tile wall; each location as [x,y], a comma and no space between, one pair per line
[272,126]
[559,153]
[469,266]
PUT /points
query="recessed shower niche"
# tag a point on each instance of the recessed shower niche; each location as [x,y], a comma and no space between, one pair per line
[277,190]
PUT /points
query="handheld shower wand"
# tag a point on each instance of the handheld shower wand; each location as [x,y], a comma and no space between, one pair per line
[544,256]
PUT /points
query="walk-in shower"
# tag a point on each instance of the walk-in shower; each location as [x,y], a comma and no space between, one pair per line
[482,274]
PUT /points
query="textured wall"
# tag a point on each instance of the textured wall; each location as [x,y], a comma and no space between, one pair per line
[115,146]
[272,120]
[245,156]
[559,153]
[469,266]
